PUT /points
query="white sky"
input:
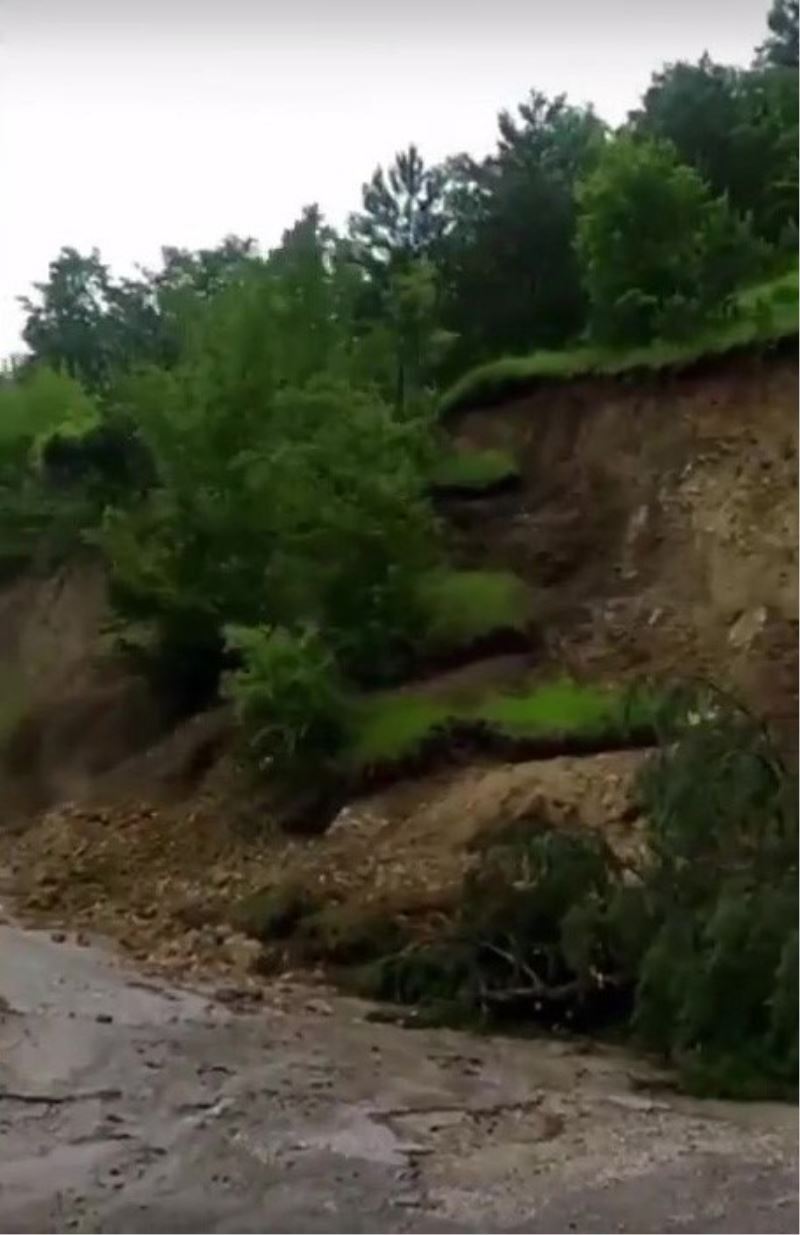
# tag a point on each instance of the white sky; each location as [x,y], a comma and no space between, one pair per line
[128,124]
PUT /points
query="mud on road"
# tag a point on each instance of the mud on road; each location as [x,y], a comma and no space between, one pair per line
[128,1106]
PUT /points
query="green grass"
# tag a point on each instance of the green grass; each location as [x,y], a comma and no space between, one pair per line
[463,606]
[389,728]
[769,313]
[392,727]
[474,470]
[563,707]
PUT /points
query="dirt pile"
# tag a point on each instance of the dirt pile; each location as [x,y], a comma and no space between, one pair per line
[165,879]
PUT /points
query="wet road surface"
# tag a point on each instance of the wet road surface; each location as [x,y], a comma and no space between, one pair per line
[126,1106]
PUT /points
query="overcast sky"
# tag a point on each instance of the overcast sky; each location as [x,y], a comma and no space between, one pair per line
[128,124]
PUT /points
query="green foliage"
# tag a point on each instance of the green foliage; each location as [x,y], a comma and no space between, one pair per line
[283,494]
[533,937]
[717,988]
[38,518]
[391,728]
[464,606]
[781,47]
[272,912]
[402,215]
[694,950]
[290,701]
[572,710]
[660,256]
[738,129]
[347,935]
[509,269]
[93,326]
[42,402]
[766,313]
[474,470]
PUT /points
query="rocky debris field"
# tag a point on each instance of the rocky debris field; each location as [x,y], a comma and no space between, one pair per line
[165,881]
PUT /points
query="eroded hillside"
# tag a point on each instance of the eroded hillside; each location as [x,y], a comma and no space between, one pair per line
[655,522]
[657,517]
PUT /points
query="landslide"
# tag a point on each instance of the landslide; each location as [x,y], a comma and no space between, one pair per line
[655,521]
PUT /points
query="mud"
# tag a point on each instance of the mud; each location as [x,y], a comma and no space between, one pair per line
[131,1106]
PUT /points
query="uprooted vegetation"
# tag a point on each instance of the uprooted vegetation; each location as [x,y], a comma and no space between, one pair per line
[689,948]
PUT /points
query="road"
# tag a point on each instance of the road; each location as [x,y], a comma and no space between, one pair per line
[127,1106]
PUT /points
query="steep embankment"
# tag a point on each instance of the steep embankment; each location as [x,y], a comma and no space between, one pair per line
[655,520]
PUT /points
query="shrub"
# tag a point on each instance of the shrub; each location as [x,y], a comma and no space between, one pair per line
[390,728]
[717,991]
[661,256]
[273,912]
[693,950]
[290,701]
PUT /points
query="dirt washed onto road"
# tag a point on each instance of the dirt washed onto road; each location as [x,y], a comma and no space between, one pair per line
[129,1106]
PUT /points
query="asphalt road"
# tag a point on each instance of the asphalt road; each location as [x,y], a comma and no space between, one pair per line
[131,1107]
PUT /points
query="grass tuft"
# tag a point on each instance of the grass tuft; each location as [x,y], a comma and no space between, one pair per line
[390,728]
[464,606]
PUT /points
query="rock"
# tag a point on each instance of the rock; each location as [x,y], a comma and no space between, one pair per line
[242,952]
[235,994]
[319,1006]
[58,936]
[747,627]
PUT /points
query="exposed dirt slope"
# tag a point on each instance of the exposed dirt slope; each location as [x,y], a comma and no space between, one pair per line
[658,519]
[163,876]
[69,710]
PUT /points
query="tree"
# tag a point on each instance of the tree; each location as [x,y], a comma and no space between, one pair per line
[69,326]
[402,217]
[511,280]
[780,49]
[94,326]
[285,493]
[738,129]
[661,256]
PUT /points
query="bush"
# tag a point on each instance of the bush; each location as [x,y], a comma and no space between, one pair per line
[693,950]
[661,257]
[290,701]
[312,511]
[717,989]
